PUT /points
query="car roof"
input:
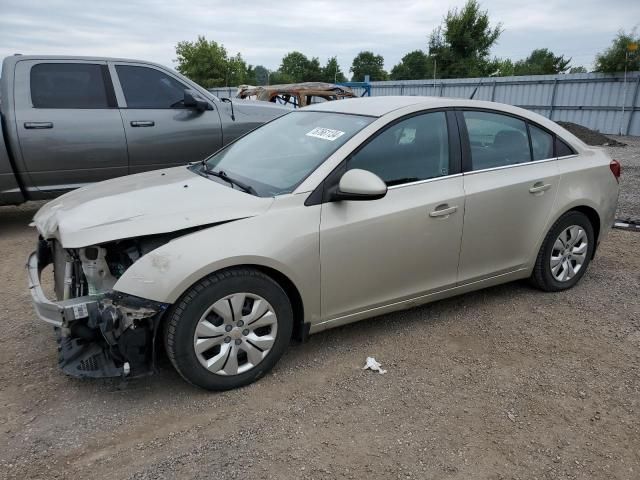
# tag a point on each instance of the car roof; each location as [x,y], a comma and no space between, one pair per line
[379,106]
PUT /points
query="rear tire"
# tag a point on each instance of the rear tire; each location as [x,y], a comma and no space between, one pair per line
[229,329]
[565,253]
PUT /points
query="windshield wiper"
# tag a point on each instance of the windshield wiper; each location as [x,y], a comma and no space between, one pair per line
[223,175]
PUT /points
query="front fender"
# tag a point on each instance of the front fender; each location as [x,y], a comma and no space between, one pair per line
[285,239]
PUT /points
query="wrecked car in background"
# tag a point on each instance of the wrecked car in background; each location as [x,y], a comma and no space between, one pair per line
[296,95]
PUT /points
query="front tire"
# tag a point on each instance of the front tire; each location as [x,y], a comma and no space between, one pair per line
[565,253]
[229,329]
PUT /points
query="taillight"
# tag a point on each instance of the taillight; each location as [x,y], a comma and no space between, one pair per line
[616,169]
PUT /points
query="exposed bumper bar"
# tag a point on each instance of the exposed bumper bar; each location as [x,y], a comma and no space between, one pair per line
[55,313]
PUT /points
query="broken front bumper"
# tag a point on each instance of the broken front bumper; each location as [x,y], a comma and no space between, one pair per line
[106,335]
[60,313]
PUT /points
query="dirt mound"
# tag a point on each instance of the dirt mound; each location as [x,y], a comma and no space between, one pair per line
[590,137]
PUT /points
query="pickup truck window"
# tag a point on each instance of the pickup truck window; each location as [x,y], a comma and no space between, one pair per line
[149,88]
[69,85]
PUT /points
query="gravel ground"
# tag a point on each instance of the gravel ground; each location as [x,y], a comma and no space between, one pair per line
[503,383]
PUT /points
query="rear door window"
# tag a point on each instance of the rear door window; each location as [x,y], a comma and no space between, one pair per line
[496,140]
[541,143]
[70,85]
[145,87]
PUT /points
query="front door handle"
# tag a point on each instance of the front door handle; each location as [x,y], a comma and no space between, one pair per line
[443,211]
[38,125]
[539,187]
[143,123]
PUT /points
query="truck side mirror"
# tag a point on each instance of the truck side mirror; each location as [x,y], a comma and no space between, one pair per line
[191,101]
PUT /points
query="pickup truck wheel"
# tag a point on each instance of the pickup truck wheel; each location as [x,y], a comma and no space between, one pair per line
[565,253]
[229,329]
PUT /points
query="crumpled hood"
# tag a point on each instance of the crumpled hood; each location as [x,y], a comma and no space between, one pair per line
[147,203]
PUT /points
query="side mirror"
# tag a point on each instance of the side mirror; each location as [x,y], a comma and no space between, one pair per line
[359,184]
[191,101]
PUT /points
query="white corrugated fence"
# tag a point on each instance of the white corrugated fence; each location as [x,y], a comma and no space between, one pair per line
[594,100]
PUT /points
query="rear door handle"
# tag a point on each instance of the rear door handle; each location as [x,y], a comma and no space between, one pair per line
[443,211]
[38,125]
[540,187]
[143,123]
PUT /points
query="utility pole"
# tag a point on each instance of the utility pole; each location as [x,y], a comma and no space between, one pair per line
[435,64]
[632,47]
[624,89]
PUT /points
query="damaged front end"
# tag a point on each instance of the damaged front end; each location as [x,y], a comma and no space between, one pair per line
[101,332]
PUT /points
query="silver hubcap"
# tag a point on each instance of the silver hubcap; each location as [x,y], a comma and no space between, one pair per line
[569,253]
[235,334]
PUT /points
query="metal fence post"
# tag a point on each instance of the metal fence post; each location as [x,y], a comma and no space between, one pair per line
[553,99]
[441,88]
[633,105]
[493,90]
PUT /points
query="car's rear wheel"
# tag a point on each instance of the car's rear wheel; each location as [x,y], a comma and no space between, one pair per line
[565,253]
[229,329]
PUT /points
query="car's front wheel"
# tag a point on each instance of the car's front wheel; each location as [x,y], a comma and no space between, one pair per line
[565,253]
[229,329]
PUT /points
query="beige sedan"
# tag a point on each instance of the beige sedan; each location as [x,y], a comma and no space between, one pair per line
[327,215]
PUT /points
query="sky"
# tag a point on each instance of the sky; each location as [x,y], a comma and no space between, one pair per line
[263,31]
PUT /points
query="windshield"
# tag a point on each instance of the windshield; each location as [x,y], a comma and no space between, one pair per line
[276,157]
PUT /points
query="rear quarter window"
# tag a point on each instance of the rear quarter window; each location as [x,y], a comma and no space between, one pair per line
[541,143]
[563,149]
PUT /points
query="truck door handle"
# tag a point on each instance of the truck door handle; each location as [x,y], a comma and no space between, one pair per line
[142,123]
[38,125]
[540,187]
[443,211]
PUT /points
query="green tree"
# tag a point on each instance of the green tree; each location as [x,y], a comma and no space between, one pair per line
[331,72]
[579,69]
[299,68]
[261,75]
[542,61]
[621,51]
[413,66]
[250,75]
[368,63]
[203,61]
[237,71]
[313,72]
[294,64]
[461,45]
[500,67]
[279,78]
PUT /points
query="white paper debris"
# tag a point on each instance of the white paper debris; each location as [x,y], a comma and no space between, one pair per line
[372,364]
[325,133]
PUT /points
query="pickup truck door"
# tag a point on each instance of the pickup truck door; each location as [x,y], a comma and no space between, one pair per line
[68,125]
[160,131]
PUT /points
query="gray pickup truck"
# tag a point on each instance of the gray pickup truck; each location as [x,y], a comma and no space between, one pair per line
[71,121]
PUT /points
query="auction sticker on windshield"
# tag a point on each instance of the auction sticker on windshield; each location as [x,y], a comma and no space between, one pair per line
[325,133]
